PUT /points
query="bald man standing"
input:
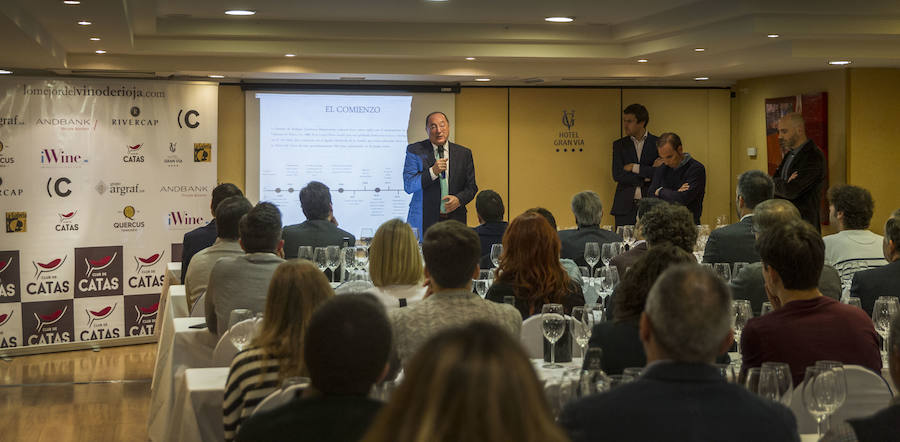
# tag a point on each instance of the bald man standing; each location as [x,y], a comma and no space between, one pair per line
[801,174]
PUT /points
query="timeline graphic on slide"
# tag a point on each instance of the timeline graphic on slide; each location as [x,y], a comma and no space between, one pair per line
[354,144]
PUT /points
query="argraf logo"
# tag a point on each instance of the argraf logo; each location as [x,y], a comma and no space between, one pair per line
[53,318]
[99,264]
[148,261]
[99,315]
[52,266]
[146,313]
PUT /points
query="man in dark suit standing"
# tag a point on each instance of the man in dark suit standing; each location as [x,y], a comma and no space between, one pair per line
[683,180]
[203,237]
[634,157]
[320,228]
[801,174]
[686,323]
[736,242]
[440,175]
[868,285]
[588,210]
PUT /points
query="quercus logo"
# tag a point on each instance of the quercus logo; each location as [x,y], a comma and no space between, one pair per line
[145,312]
[94,265]
[5,264]
[4,318]
[149,261]
[46,267]
[47,320]
[99,315]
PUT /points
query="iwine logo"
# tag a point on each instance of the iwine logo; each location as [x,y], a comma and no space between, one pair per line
[53,157]
[9,276]
[50,322]
[98,271]
[182,220]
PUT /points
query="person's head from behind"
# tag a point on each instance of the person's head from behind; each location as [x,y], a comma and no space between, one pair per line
[644,205]
[631,293]
[688,316]
[791,131]
[634,120]
[451,251]
[753,187]
[473,383]
[394,255]
[347,345]
[489,207]
[296,289]
[670,149]
[530,260]
[792,256]
[260,229]
[892,237]
[547,214]
[850,207]
[315,201]
[228,217]
[773,212]
[220,193]
[587,208]
[670,223]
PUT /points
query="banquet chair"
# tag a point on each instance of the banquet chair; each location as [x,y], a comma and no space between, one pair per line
[280,397]
[224,351]
[198,310]
[867,392]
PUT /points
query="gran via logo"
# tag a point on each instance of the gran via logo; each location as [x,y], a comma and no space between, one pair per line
[141,312]
[47,322]
[10,281]
[98,271]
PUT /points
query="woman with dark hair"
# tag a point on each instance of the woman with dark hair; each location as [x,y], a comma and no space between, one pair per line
[530,270]
[619,338]
[473,383]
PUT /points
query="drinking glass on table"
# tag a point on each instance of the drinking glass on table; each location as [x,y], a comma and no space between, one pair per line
[362,258]
[305,252]
[609,279]
[496,251]
[854,301]
[553,325]
[738,266]
[885,310]
[592,257]
[332,259]
[840,378]
[822,390]
[766,308]
[628,235]
[607,253]
[727,372]
[768,386]
[240,327]
[320,258]
[481,287]
[742,314]
[633,372]
[723,269]
[583,326]
[365,235]
[348,259]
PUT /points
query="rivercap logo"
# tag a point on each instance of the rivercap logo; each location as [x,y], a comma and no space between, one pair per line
[4,318]
[16,222]
[135,111]
[202,152]
[190,118]
[146,312]
[46,267]
[99,315]
[568,118]
[99,264]
[149,261]
[52,318]
[60,187]
[134,149]
[67,217]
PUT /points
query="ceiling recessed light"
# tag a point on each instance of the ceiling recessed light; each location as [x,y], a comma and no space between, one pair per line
[5,72]
[290,55]
[559,19]
[773,35]
[100,51]
[470,58]
[643,60]
[701,78]
[95,38]
[84,23]
[482,79]
[699,49]
[239,12]
[71,2]
[216,76]
[839,62]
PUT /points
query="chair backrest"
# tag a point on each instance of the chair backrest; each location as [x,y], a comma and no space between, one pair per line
[279,397]
[224,351]
[532,337]
[867,392]
[198,310]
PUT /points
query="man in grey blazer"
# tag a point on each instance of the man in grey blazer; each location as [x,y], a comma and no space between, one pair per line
[243,281]
[736,242]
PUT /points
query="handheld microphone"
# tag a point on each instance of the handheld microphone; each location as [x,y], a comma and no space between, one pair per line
[440,157]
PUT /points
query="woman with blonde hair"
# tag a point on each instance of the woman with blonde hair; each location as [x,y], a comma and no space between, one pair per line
[395,265]
[276,353]
[472,383]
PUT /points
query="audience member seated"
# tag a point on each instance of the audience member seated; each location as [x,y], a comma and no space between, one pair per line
[228,216]
[489,207]
[570,266]
[471,383]
[451,253]
[736,242]
[854,247]
[395,265]
[804,326]
[241,281]
[619,338]
[883,425]
[588,211]
[749,283]
[277,352]
[204,236]
[868,285]
[346,351]
[626,259]
[320,228]
[681,396]
[530,269]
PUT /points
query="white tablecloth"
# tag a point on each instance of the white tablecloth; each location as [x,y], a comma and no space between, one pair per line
[178,301]
[173,277]
[198,405]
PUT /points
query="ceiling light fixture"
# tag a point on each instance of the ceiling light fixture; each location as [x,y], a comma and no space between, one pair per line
[216,76]
[701,78]
[5,72]
[470,58]
[482,79]
[773,36]
[84,23]
[95,38]
[839,62]
[290,55]
[643,60]
[559,19]
[100,51]
[699,49]
[239,12]
[71,2]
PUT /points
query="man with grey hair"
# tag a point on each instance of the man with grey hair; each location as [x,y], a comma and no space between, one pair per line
[736,242]
[588,210]
[868,285]
[686,323]
[749,284]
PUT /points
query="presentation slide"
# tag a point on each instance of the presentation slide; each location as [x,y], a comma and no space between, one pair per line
[354,143]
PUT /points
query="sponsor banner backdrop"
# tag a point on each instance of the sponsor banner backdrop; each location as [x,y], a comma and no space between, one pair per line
[99,181]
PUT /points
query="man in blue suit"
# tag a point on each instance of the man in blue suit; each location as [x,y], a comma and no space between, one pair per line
[634,158]
[440,175]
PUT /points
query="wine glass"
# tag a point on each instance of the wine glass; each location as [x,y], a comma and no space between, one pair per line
[628,235]
[332,258]
[607,253]
[727,372]
[822,390]
[584,325]
[738,266]
[854,301]
[496,252]
[362,258]
[348,259]
[723,269]
[751,382]
[240,326]
[742,313]
[592,256]
[885,310]
[320,258]
[721,220]
[553,325]
[481,287]
[365,235]
[841,379]
[609,279]
[633,372]
[305,252]
[766,308]
[768,386]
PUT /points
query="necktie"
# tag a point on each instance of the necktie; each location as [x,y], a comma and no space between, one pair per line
[445,190]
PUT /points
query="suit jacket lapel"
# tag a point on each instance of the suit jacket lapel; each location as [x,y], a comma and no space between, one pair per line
[646,152]
[429,153]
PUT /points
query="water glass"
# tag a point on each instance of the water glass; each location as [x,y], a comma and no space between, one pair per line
[320,258]
[305,252]
[607,252]
[823,389]
[553,325]
[609,279]
[742,314]
[766,308]
[592,257]
[481,287]
[496,252]
[332,258]
[583,325]
[738,266]
[854,301]
[723,269]
[886,309]
[362,257]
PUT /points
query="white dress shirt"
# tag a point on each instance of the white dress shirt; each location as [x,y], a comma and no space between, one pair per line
[447,156]
[639,148]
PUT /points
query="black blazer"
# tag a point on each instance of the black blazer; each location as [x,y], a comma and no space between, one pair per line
[621,344]
[674,401]
[732,243]
[573,242]
[462,182]
[627,182]
[339,418]
[316,233]
[806,190]
[195,241]
[868,285]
